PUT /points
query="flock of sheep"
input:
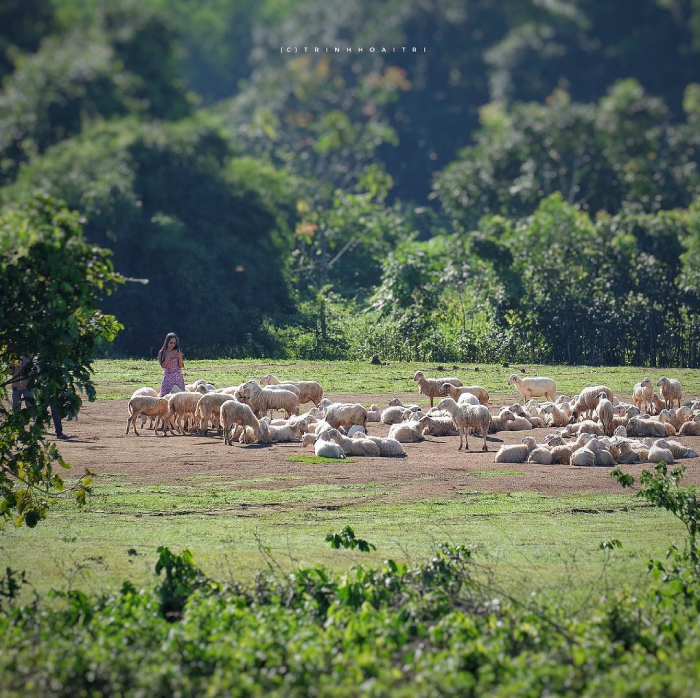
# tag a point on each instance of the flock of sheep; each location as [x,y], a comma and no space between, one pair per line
[591,428]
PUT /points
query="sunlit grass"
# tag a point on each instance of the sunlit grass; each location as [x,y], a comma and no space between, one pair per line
[119,378]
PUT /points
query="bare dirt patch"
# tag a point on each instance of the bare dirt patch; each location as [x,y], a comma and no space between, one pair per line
[433,469]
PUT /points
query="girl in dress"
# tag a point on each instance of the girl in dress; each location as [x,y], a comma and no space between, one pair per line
[170,358]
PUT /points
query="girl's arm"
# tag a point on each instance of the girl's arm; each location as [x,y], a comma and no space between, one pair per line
[179,359]
[164,360]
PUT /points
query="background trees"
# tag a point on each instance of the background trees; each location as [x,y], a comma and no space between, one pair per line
[526,188]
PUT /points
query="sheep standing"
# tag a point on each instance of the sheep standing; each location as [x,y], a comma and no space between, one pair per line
[340,414]
[671,391]
[309,391]
[207,410]
[643,395]
[231,413]
[151,407]
[466,416]
[183,406]
[534,387]
[604,412]
[587,400]
[456,393]
[430,387]
[264,399]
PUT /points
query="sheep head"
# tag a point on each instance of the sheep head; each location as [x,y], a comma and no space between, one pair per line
[514,380]
[418,376]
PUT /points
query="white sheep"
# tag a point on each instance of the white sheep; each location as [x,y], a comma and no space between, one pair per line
[555,416]
[455,392]
[271,434]
[587,400]
[145,391]
[534,387]
[151,407]
[345,415]
[690,429]
[354,447]
[500,421]
[678,449]
[405,433]
[263,399]
[430,387]
[309,391]
[207,411]
[637,426]
[396,402]
[516,453]
[465,417]
[604,413]
[233,413]
[678,417]
[183,406]
[671,391]
[643,394]
[388,447]
[328,449]
[658,452]
[373,414]
[393,415]
[192,387]
[437,426]
[540,455]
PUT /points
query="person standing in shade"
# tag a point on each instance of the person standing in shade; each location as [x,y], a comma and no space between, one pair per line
[170,359]
[19,384]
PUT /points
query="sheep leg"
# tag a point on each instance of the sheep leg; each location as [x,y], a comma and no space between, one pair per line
[461,429]
[485,448]
[466,439]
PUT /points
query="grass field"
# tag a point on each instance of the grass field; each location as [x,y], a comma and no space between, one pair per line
[530,542]
[117,378]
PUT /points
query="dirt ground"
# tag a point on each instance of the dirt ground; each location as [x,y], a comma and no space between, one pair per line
[434,469]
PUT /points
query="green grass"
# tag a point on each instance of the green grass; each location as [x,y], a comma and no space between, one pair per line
[118,378]
[317,460]
[531,542]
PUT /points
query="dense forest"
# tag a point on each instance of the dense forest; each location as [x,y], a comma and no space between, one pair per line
[526,188]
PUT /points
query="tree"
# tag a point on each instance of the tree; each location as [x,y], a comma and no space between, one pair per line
[210,232]
[622,153]
[124,62]
[52,281]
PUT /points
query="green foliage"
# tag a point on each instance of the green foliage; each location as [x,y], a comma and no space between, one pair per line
[122,64]
[620,153]
[430,627]
[178,213]
[51,280]
[346,539]
[181,580]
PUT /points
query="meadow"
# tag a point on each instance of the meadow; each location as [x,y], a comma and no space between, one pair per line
[534,529]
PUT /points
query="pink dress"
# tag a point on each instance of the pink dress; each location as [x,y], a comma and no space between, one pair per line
[172,375]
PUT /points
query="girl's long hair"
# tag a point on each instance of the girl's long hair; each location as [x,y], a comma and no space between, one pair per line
[168,337]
